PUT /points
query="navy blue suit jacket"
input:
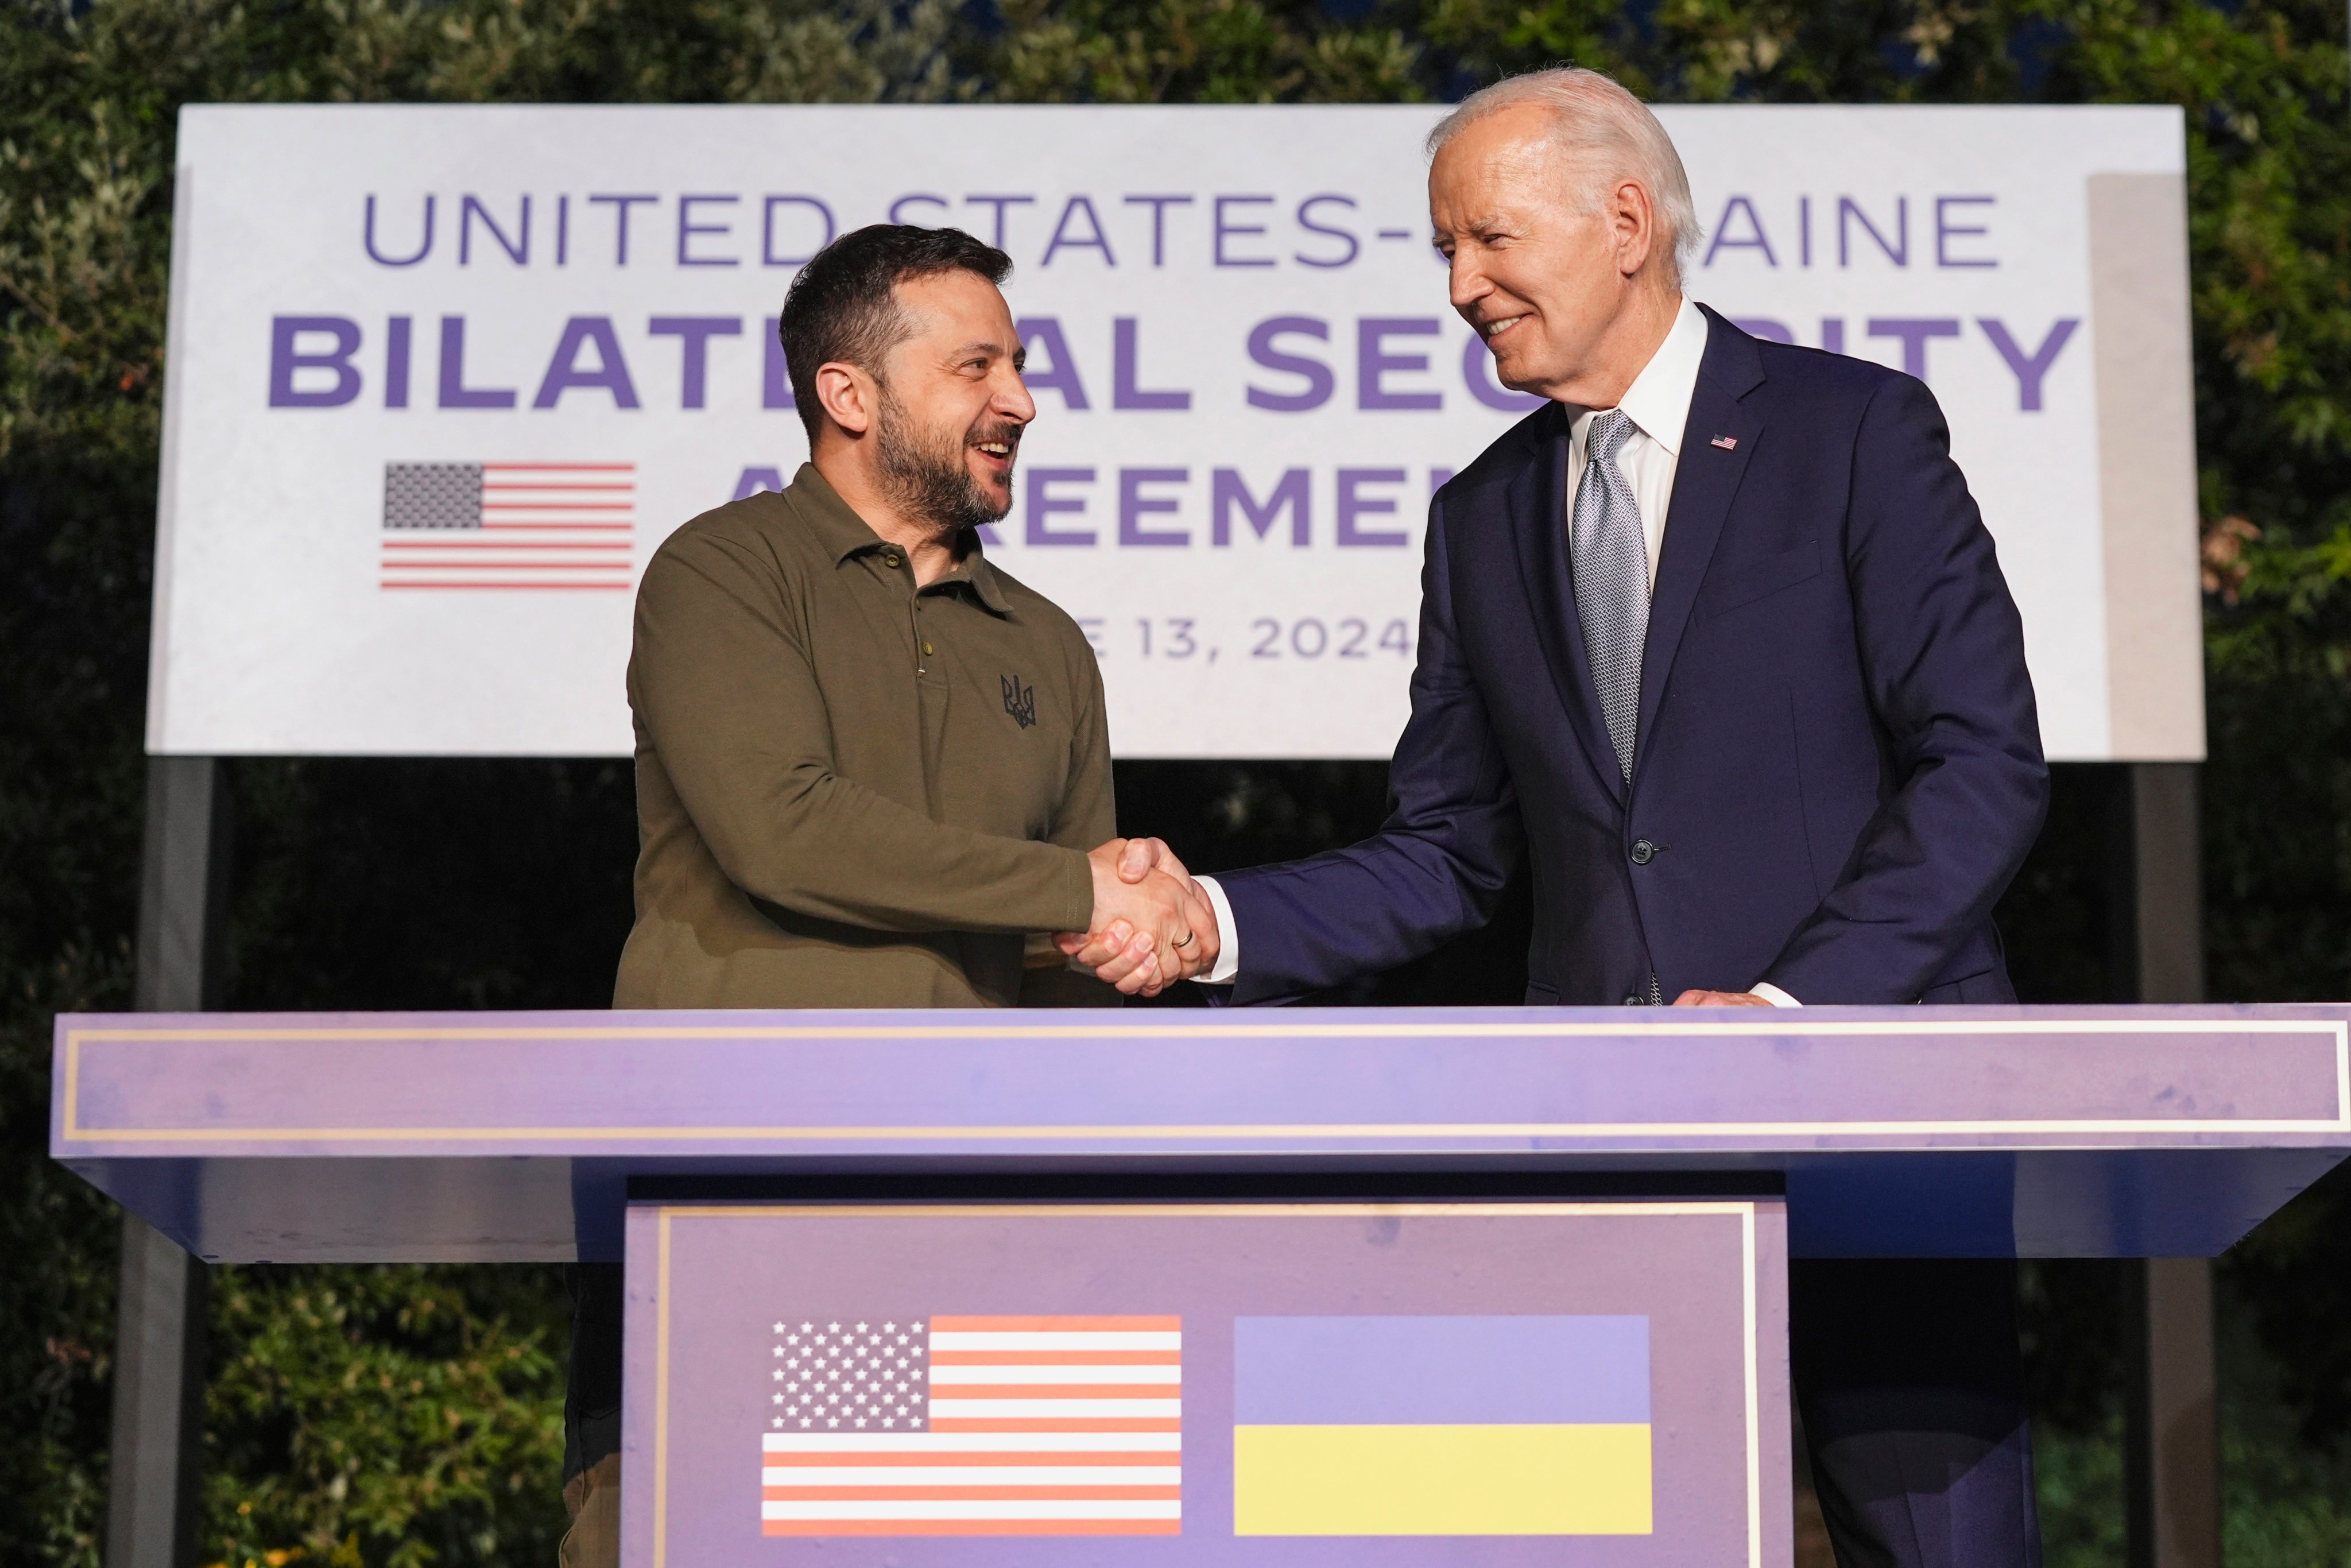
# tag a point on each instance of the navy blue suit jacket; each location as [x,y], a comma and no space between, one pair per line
[1838,766]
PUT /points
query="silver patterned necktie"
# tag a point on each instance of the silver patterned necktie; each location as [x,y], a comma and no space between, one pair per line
[1610,564]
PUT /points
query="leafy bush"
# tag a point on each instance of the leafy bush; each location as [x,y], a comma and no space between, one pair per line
[405,1416]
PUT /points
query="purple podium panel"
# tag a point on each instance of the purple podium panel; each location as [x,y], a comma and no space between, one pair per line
[1960,1132]
[1282,1386]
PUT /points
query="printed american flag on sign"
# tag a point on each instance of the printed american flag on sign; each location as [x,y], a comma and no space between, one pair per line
[508,524]
[1028,1426]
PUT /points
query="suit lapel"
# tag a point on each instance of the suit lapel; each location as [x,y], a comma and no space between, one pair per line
[1538,507]
[1706,479]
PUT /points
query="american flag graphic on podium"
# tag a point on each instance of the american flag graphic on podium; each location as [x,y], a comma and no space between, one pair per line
[563,526]
[973,1425]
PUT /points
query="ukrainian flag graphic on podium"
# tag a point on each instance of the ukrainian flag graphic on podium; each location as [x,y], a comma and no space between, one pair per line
[1441,1426]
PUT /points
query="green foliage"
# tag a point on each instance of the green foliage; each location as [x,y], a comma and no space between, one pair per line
[82,240]
[403,1415]
[2285,1501]
[87,104]
[2078,1473]
[394,1415]
[1194,51]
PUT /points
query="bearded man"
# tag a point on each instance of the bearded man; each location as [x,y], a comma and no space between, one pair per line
[870,765]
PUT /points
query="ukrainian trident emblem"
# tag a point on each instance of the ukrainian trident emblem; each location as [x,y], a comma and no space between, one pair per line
[1019,701]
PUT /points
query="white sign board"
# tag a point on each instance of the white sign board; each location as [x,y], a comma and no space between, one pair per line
[442,379]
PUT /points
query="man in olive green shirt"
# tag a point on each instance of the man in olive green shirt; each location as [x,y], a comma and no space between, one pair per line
[870,765]
[872,770]
[854,788]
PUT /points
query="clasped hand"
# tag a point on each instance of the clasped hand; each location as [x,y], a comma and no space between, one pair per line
[1151,924]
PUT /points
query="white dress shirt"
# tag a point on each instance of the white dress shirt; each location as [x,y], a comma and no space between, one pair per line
[1658,403]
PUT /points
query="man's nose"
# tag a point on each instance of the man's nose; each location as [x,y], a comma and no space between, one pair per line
[1466,280]
[1012,400]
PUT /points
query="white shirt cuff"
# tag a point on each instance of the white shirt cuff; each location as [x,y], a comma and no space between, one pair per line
[1764,989]
[1229,941]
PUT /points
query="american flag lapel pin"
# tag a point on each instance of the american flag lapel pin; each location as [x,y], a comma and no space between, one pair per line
[1728,442]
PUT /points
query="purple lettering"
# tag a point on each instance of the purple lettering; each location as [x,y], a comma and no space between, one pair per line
[621,205]
[1133,506]
[1043,503]
[1354,504]
[1757,239]
[517,249]
[904,201]
[564,372]
[2029,369]
[1372,361]
[286,359]
[1063,240]
[687,228]
[768,257]
[396,363]
[1914,331]
[1225,229]
[1158,206]
[1000,203]
[776,375]
[424,246]
[455,393]
[754,480]
[1060,374]
[1899,251]
[1945,229]
[1228,489]
[1306,221]
[694,334]
[1124,374]
[1319,381]
[1770,327]
[1833,334]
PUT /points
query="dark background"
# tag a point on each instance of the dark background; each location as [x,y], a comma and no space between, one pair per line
[401,1416]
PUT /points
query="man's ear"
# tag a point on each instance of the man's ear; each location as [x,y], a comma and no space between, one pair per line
[848,394]
[1634,217]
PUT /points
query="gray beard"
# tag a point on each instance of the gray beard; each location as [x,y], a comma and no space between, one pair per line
[930,482]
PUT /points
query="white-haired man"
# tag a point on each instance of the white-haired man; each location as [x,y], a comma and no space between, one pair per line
[1716,646]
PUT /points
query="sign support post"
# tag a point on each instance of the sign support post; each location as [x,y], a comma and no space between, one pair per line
[2173,1459]
[152,1499]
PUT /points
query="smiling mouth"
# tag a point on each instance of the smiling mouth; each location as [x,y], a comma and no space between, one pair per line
[1493,329]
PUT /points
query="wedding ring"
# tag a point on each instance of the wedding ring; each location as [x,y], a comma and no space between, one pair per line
[1186,943]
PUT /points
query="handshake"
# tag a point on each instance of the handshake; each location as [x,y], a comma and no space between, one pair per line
[1153,925]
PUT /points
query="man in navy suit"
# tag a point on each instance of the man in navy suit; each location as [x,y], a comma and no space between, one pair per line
[1716,646]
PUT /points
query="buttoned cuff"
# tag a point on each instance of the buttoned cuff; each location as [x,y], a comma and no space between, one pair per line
[1773,994]
[1228,940]
[1076,875]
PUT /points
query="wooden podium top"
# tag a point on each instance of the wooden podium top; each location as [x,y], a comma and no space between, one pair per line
[2124,1130]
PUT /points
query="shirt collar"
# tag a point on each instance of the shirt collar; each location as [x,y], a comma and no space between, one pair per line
[843,533]
[1658,400]
[974,571]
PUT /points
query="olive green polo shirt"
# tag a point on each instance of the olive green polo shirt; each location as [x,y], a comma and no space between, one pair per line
[853,792]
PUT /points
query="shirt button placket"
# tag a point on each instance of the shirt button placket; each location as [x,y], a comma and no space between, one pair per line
[894,560]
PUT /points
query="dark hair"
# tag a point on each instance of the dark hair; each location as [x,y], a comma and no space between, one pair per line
[842,306]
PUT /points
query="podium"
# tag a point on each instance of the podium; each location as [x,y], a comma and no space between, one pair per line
[1386,1286]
